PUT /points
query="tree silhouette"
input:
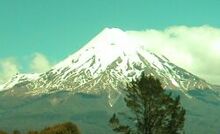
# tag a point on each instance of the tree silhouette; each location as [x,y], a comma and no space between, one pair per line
[153,110]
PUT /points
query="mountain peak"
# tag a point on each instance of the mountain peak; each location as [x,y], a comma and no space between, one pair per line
[110,36]
[106,46]
[112,30]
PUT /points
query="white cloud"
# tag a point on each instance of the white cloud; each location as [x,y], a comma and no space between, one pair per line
[197,49]
[8,68]
[39,63]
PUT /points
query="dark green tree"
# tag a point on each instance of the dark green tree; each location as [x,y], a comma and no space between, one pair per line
[154,111]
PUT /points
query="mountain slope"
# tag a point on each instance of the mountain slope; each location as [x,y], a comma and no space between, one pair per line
[19,79]
[112,55]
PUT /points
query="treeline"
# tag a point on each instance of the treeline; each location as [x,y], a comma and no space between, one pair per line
[64,128]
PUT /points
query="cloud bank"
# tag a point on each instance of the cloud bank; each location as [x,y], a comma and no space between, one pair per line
[196,49]
[9,66]
[39,63]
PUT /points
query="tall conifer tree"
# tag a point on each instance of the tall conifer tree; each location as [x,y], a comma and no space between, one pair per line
[154,111]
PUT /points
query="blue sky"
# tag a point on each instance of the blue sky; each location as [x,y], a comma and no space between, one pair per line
[49,26]
[57,28]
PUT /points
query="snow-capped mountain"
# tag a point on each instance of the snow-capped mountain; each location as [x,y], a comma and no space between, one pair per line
[86,88]
[107,62]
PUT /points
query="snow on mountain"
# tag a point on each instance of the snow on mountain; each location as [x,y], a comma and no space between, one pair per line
[108,62]
[106,46]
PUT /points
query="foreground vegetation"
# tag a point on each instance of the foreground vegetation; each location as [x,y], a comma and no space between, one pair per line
[64,128]
[153,110]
